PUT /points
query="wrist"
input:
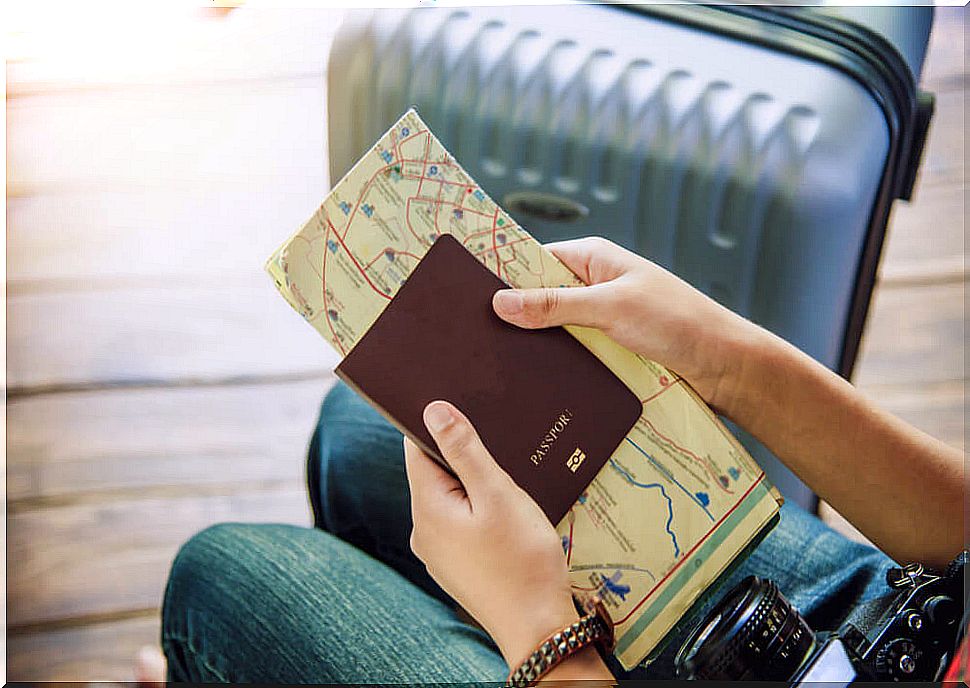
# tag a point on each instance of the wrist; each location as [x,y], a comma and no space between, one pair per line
[586,665]
[758,360]
[567,652]
[523,635]
[713,350]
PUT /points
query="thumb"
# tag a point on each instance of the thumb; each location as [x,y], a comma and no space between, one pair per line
[462,448]
[547,306]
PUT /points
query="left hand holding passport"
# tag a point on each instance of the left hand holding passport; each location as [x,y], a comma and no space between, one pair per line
[484,540]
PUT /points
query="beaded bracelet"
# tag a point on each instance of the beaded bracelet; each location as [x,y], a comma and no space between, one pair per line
[594,627]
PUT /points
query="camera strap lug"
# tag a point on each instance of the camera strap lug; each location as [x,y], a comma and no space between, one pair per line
[905,577]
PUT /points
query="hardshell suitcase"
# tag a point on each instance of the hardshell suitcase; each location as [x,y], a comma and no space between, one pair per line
[753,151]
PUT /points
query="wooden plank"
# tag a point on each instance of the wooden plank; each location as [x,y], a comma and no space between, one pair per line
[81,49]
[95,559]
[171,232]
[947,54]
[943,155]
[60,445]
[927,235]
[936,409]
[102,652]
[264,137]
[183,331]
[915,335]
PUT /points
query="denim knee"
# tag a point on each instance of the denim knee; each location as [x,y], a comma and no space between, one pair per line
[192,604]
[237,589]
[189,572]
[272,603]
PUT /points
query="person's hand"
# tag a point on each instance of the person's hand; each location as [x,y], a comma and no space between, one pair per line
[646,309]
[484,540]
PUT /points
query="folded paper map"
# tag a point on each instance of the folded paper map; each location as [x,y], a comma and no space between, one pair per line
[677,501]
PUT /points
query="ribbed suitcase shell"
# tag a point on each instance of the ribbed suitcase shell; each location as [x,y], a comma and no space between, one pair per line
[749,172]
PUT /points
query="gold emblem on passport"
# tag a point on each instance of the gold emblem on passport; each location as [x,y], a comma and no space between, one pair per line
[576,460]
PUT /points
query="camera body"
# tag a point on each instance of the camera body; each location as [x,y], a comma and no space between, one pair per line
[754,633]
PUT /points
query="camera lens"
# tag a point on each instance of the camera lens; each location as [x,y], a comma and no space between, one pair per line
[754,633]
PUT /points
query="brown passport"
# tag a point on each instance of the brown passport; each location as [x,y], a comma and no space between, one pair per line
[547,409]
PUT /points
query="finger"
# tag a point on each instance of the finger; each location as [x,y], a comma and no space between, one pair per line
[462,448]
[550,306]
[429,482]
[593,259]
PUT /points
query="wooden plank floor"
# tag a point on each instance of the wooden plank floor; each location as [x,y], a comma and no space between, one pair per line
[156,384]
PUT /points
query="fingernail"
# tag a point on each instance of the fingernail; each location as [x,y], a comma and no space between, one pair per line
[509,302]
[438,416]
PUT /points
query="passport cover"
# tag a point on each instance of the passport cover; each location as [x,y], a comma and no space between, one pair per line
[549,411]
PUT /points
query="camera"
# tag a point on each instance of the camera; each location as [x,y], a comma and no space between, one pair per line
[754,633]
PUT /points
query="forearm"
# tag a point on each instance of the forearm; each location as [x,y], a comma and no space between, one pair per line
[903,489]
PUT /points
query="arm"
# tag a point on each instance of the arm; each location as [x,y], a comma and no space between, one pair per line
[900,487]
[886,477]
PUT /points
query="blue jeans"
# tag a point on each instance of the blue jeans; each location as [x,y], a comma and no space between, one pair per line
[347,601]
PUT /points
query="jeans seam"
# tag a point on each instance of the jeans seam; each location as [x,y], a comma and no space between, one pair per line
[186,644]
